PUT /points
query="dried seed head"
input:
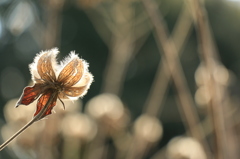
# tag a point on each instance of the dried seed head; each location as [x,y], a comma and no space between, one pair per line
[220,75]
[79,126]
[202,96]
[107,105]
[69,80]
[148,128]
[185,147]
[108,109]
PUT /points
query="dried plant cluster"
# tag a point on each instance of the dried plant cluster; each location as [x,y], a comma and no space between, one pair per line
[103,128]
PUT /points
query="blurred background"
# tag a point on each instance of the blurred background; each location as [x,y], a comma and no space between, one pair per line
[166,78]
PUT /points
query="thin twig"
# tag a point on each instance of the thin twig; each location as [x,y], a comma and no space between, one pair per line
[175,69]
[160,84]
[52,31]
[35,118]
[17,133]
[211,60]
[121,48]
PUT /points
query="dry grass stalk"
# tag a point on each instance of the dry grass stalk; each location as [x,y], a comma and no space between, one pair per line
[171,61]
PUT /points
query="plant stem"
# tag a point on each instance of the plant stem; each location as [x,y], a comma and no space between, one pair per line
[35,118]
[210,57]
[171,61]
[16,134]
[159,88]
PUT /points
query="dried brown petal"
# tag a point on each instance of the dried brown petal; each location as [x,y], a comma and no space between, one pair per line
[80,89]
[42,102]
[29,95]
[45,68]
[75,91]
[72,72]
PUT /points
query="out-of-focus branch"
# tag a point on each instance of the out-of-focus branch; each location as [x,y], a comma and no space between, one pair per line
[123,45]
[118,61]
[210,57]
[53,23]
[119,37]
[124,33]
[171,60]
[160,84]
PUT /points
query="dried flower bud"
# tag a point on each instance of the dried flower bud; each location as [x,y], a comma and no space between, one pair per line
[220,75]
[202,75]
[204,81]
[79,126]
[185,147]
[109,110]
[148,128]
[105,105]
[69,80]
[202,96]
